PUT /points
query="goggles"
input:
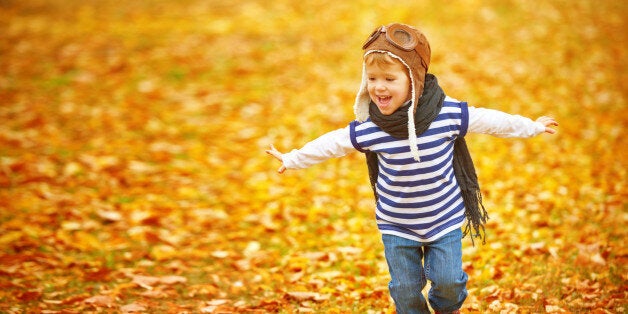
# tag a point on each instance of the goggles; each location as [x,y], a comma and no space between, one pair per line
[401,36]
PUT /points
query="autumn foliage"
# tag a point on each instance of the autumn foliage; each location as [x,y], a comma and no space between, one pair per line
[133,176]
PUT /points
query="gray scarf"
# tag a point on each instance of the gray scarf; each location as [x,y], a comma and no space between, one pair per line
[396,124]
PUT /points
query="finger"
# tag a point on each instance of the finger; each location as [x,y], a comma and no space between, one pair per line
[551,122]
[273,151]
[275,154]
[281,169]
[548,120]
[550,131]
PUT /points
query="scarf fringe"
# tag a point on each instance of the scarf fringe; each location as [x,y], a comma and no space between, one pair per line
[476,215]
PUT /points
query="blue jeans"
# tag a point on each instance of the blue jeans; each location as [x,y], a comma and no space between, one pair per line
[443,267]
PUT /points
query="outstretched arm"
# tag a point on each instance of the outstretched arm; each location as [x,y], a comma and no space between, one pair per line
[332,144]
[501,124]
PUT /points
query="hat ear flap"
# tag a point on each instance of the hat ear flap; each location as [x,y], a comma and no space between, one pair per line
[362,100]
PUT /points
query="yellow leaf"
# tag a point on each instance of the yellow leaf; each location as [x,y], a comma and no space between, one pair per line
[10,237]
[163,252]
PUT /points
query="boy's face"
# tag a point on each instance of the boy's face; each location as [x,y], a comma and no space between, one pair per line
[388,85]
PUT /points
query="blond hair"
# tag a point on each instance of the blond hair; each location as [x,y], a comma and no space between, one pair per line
[380,59]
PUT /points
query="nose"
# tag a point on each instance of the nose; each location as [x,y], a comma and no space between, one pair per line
[379,86]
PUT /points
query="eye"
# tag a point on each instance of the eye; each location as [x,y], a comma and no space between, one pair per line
[390,79]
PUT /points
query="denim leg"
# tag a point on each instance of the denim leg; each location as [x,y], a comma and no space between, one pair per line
[404,258]
[443,267]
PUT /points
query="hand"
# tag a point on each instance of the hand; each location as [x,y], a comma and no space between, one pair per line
[277,154]
[548,122]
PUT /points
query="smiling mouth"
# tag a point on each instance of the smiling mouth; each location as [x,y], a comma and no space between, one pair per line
[384,100]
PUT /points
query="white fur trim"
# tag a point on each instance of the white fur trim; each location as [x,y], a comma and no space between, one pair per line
[362,100]
[414,146]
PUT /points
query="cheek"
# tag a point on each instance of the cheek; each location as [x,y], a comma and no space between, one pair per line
[407,88]
[370,88]
[402,88]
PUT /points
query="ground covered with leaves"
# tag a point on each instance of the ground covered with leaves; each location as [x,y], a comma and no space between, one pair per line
[133,176]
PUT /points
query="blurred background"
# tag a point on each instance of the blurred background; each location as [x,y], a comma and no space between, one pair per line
[132,140]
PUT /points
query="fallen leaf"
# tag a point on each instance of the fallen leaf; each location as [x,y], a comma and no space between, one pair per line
[170,280]
[28,296]
[306,296]
[553,309]
[100,301]
[132,308]
[109,215]
[146,282]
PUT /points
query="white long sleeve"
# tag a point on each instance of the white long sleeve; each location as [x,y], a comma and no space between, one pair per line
[501,124]
[329,145]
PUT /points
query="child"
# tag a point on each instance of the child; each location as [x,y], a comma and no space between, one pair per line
[419,166]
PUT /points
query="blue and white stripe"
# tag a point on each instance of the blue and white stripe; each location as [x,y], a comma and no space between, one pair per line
[417,200]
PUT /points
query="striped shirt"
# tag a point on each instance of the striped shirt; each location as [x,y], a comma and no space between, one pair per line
[420,201]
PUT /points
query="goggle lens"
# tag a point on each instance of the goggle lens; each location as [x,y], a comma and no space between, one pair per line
[397,35]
